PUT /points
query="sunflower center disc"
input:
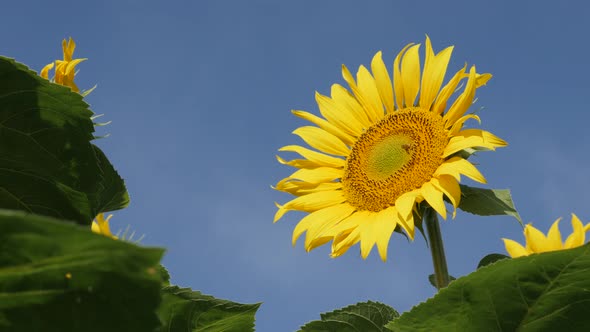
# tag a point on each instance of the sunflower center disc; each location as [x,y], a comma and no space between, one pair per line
[395,155]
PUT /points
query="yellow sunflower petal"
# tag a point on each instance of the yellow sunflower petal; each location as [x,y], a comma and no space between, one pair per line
[536,241]
[578,236]
[405,203]
[68,48]
[368,89]
[343,242]
[45,71]
[347,232]
[435,67]
[322,140]
[434,197]
[459,123]
[386,223]
[316,157]
[470,138]
[450,187]
[71,66]
[554,237]
[398,84]
[383,82]
[411,75]
[298,188]
[441,100]
[311,202]
[325,125]
[482,79]
[316,175]
[463,102]
[458,166]
[338,116]
[318,230]
[407,225]
[326,215]
[100,225]
[341,96]
[368,235]
[299,163]
[361,94]
[514,248]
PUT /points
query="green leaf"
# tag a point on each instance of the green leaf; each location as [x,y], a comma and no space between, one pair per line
[47,164]
[489,259]
[540,292]
[432,280]
[364,316]
[164,275]
[56,276]
[183,310]
[487,202]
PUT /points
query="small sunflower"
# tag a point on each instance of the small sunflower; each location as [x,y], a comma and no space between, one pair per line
[100,225]
[65,69]
[537,242]
[381,150]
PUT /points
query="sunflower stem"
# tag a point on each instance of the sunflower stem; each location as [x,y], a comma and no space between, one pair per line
[441,272]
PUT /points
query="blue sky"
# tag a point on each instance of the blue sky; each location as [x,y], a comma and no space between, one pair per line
[199,94]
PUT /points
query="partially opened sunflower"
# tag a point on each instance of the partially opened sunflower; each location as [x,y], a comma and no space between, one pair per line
[537,242]
[65,69]
[383,149]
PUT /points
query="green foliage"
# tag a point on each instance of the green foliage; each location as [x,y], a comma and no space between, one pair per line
[364,316]
[184,310]
[489,259]
[541,292]
[487,202]
[47,164]
[432,280]
[61,277]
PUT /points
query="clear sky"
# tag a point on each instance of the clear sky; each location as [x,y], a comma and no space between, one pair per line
[199,94]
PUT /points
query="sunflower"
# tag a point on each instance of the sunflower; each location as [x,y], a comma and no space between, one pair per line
[537,242]
[65,69]
[382,150]
[100,225]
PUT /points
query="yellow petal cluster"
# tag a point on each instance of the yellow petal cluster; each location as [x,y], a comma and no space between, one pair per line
[100,225]
[381,147]
[65,69]
[537,242]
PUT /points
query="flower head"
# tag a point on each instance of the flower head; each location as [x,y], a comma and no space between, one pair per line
[64,69]
[382,149]
[537,242]
[100,225]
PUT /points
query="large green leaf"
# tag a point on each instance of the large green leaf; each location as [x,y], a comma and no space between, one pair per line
[185,310]
[47,164]
[487,202]
[364,316]
[541,292]
[60,277]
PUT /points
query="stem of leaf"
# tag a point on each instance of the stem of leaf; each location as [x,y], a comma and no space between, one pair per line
[441,272]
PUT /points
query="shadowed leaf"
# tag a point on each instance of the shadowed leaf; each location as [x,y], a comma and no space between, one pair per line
[60,277]
[540,292]
[185,310]
[365,316]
